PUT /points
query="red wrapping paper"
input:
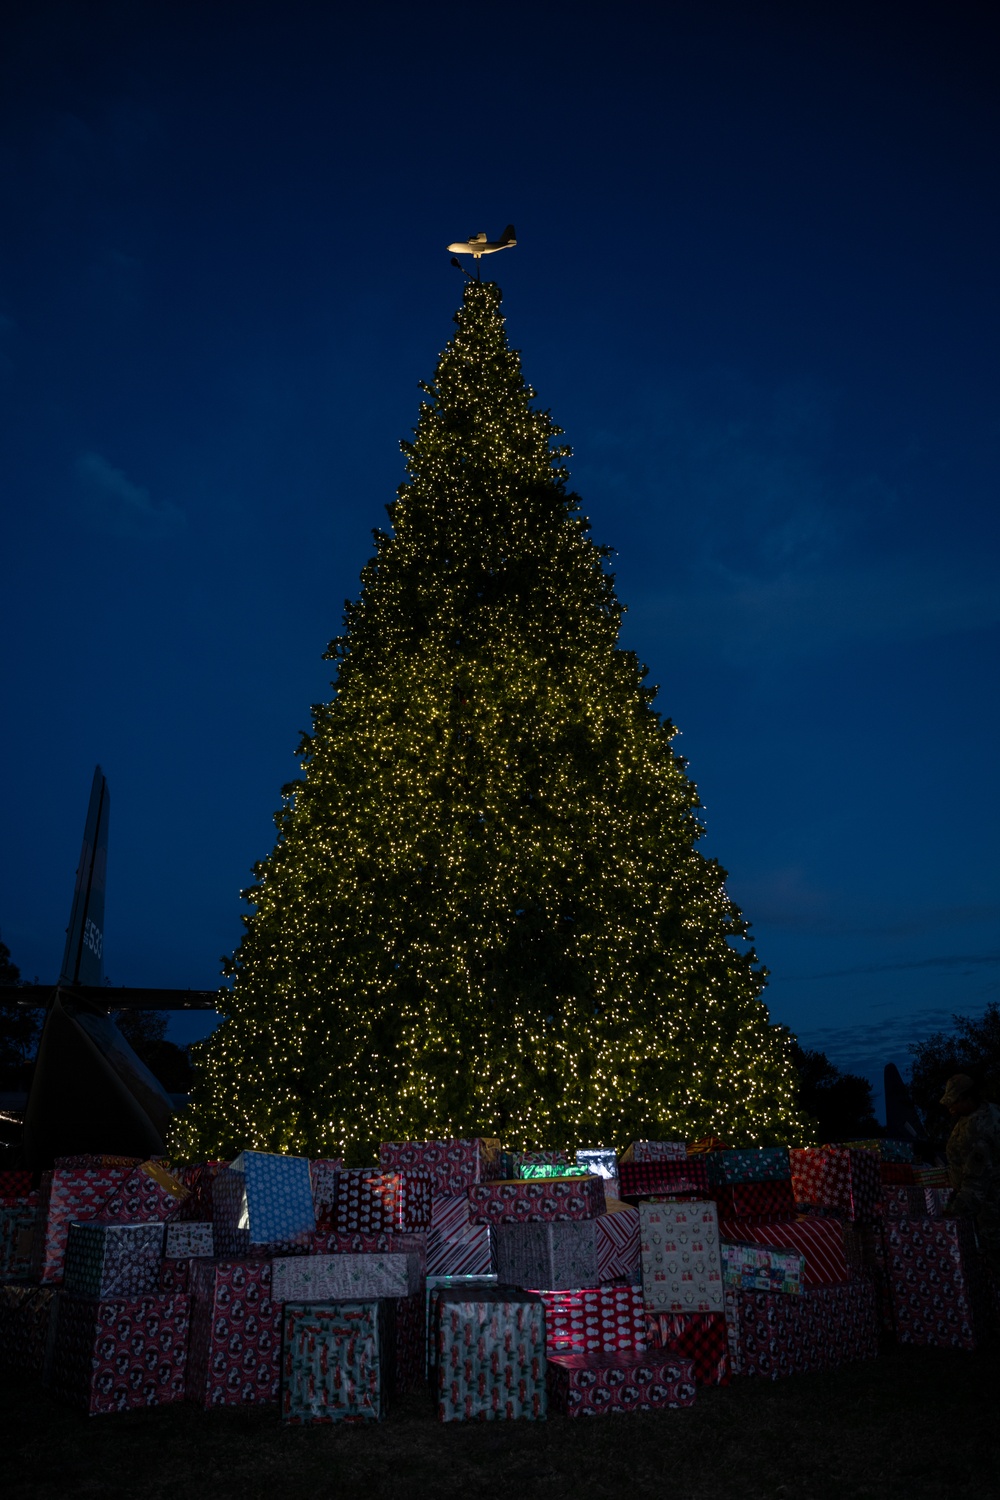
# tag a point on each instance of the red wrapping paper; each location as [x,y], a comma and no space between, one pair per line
[455,1245]
[122,1353]
[68,1193]
[674,1179]
[700,1337]
[837,1178]
[595,1320]
[939,1290]
[372,1202]
[536,1200]
[149,1194]
[821,1241]
[741,1200]
[235,1355]
[771,1335]
[592,1385]
[451,1166]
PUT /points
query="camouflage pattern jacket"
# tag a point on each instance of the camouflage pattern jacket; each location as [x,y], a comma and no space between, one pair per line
[974,1161]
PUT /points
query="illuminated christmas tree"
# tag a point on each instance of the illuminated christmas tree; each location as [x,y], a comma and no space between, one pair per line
[485,911]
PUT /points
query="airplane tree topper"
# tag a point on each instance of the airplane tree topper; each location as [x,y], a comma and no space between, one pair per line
[477,245]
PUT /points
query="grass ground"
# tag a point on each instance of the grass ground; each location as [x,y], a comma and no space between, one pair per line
[914,1425]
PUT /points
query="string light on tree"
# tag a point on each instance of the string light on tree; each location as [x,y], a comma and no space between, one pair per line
[485,910]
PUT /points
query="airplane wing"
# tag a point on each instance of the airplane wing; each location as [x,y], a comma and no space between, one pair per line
[125,997]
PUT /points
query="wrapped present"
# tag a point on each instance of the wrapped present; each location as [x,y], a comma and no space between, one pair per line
[370,1201]
[344,1278]
[885,1150]
[106,1260]
[323,1176]
[411,1341]
[450,1166]
[600,1160]
[18,1221]
[188,1240]
[148,1194]
[96,1160]
[599,1319]
[336,1362]
[937,1201]
[278,1201]
[511,1162]
[902,1202]
[751,1164]
[771,1336]
[329,1242]
[26,1325]
[15,1185]
[820,1241]
[455,1245]
[592,1385]
[764,1268]
[679,1257]
[550,1169]
[235,1351]
[553,1255]
[937,1283]
[896,1172]
[121,1353]
[644,1151]
[174,1274]
[435,1286]
[699,1337]
[839,1178]
[522,1202]
[931,1176]
[490,1355]
[747,1200]
[198,1179]
[68,1193]
[864,1248]
[705,1144]
[616,1240]
[675,1179]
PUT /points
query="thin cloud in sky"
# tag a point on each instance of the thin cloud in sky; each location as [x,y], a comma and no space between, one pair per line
[943,961]
[123,508]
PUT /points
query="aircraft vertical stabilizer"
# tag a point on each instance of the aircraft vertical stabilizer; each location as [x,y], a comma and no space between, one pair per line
[83,960]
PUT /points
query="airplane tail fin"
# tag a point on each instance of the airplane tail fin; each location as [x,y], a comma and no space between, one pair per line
[508,235]
[83,960]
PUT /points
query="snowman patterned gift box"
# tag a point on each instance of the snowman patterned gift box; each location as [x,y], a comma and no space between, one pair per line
[120,1354]
[680,1257]
[112,1260]
[235,1353]
[594,1320]
[344,1278]
[836,1178]
[596,1385]
[451,1167]
[556,1256]
[490,1355]
[336,1361]
[540,1201]
[371,1201]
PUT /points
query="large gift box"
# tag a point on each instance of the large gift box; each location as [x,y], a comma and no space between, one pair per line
[68,1193]
[646,1179]
[763,1268]
[680,1257]
[616,1238]
[819,1241]
[937,1283]
[654,1151]
[490,1355]
[26,1324]
[370,1201]
[747,1200]
[149,1192]
[590,1320]
[450,1166]
[411,1340]
[235,1334]
[278,1201]
[772,1335]
[105,1260]
[838,1178]
[524,1202]
[752,1164]
[896,1172]
[323,1175]
[18,1221]
[699,1337]
[554,1255]
[329,1242]
[336,1361]
[600,1160]
[593,1385]
[344,1278]
[119,1354]
[455,1245]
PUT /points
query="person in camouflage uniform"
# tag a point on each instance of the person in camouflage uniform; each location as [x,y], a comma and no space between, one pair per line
[974,1162]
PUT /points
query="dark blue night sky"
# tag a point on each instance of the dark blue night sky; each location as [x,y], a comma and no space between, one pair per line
[756,282]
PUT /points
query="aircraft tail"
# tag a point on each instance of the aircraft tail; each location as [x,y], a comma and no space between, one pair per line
[507,238]
[83,960]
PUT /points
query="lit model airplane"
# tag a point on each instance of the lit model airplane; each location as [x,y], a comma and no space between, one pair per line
[478,245]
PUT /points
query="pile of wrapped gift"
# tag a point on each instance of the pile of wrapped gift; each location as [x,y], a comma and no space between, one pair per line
[512,1284]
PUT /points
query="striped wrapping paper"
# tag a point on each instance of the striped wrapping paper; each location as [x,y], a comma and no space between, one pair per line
[617,1235]
[821,1241]
[456,1246]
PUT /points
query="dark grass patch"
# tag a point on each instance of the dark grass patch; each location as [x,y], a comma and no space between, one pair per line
[913,1425]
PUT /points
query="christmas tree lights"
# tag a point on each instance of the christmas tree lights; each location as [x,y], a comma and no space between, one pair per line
[485,912]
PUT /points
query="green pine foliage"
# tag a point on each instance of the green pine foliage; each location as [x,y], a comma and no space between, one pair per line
[485,911]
